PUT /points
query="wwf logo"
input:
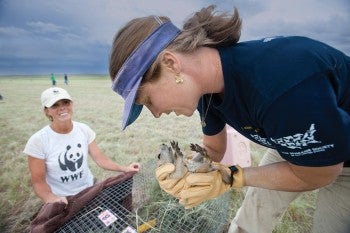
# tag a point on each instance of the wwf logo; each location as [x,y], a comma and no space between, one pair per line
[72,159]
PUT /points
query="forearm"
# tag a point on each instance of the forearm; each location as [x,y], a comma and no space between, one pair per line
[110,165]
[43,191]
[278,176]
[216,156]
[103,161]
[215,145]
[37,169]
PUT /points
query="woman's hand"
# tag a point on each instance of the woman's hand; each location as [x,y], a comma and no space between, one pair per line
[53,198]
[173,186]
[200,187]
[133,167]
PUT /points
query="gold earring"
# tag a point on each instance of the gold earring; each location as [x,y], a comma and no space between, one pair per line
[179,78]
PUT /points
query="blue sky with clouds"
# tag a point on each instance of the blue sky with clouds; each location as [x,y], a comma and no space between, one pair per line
[75,36]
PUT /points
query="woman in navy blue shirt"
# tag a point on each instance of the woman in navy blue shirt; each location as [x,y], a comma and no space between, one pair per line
[290,94]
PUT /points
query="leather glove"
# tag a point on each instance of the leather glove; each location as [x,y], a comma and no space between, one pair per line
[201,187]
[173,186]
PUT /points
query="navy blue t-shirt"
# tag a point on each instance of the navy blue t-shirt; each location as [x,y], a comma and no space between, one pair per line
[291,94]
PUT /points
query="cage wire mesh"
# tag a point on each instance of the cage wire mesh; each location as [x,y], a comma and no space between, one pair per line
[151,210]
[108,212]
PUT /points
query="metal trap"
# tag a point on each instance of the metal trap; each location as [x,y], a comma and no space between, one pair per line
[139,205]
[162,213]
[109,211]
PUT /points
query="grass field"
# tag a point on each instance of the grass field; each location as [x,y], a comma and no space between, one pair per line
[95,104]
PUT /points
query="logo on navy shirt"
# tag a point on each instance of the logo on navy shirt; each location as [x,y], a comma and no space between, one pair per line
[299,140]
[268,39]
[299,143]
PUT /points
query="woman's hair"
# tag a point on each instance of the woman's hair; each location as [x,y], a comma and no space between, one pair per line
[204,28]
[47,115]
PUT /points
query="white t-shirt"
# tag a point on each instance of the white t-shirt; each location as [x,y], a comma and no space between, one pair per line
[66,157]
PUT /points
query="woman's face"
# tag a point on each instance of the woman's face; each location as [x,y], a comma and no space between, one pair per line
[165,96]
[61,111]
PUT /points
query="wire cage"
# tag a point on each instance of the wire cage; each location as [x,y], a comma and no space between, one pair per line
[109,211]
[162,213]
[139,205]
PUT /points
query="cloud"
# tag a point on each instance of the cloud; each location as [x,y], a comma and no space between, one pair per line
[67,33]
[76,36]
[42,27]
[11,31]
[313,18]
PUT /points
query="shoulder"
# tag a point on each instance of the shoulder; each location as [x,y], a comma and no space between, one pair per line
[81,125]
[42,133]
[37,142]
[278,45]
[84,128]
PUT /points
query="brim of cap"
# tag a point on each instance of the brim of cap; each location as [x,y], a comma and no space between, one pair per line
[53,101]
[131,110]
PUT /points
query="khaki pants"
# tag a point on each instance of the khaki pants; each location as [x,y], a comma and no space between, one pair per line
[262,209]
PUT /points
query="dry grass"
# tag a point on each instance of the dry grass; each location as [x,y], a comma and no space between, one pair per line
[95,104]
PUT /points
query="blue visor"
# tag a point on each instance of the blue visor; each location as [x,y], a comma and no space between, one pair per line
[128,79]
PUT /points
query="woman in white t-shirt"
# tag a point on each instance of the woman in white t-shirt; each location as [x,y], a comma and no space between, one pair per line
[58,153]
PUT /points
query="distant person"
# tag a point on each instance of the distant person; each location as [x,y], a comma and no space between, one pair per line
[58,153]
[53,79]
[65,79]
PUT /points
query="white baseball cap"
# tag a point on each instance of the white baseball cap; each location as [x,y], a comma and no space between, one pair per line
[50,96]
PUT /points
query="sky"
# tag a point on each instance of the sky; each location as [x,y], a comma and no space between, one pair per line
[75,36]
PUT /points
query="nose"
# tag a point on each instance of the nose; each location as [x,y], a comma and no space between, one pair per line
[154,113]
[157,115]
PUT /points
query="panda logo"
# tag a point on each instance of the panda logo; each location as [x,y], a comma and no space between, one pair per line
[71,159]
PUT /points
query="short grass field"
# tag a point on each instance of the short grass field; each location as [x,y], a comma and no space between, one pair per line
[97,105]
